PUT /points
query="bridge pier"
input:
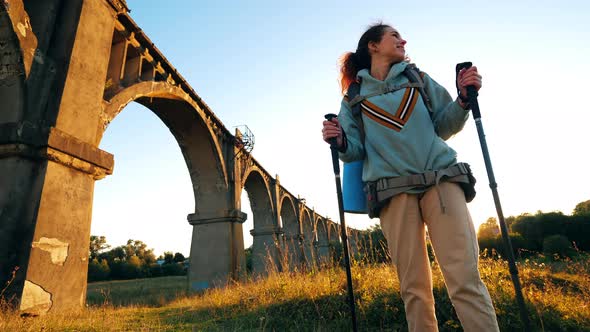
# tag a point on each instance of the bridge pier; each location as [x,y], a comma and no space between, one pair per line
[265,253]
[49,159]
[49,181]
[292,251]
[323,250]
[217,249]
[308,250]
[353,243]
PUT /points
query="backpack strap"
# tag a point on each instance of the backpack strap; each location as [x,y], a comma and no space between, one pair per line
[414,76]
[355,98]
[353,93]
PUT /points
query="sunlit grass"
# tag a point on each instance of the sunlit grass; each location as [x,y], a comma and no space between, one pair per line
[557,296]
[145,292]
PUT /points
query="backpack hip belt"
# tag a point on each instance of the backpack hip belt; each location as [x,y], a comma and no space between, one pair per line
[382,190]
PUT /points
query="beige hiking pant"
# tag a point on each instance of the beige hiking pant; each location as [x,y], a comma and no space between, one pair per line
[455,245]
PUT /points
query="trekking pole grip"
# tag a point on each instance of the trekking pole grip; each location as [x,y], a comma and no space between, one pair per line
[334,147]
[471,92]
[333,140]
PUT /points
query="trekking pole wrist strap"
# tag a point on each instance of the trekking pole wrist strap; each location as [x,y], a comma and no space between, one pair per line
[344,145]
[463,102]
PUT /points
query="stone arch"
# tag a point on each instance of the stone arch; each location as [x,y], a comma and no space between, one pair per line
[288,215]
[333,232]
[306,225]
[264,244]
[196,138]
[321,226]
[258,188]
[291,255]
[214,216]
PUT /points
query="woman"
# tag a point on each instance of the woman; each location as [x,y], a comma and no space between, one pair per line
[402,139]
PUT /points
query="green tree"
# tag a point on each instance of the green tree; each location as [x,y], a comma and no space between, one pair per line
[509,222]
[168,257]
[173,270]
[557,244]
[139,249]
[531,230]
[582,209]
[115,254]
[179,258]
[578,231]
[131,268]
[135,262]
[98,244]
[488,229]
[98,271]
[248,254]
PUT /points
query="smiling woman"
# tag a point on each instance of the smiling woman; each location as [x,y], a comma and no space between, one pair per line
[412,177]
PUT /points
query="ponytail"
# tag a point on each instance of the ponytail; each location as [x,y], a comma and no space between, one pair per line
[348,70]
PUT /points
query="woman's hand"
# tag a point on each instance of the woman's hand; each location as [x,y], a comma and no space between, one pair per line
[468,77]
[332,129]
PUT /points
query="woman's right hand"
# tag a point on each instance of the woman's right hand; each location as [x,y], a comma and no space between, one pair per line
[332,129]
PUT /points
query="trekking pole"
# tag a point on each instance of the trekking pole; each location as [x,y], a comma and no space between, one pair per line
[336,164]
[472,96]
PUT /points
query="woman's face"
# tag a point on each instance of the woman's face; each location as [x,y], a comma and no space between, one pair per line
[392,46]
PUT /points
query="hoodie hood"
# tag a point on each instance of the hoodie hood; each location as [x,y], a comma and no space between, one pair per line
[394,72]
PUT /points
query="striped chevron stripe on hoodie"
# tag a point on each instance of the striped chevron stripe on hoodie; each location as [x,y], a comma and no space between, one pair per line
[401,136]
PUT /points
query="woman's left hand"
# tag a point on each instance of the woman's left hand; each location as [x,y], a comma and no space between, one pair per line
[468,77]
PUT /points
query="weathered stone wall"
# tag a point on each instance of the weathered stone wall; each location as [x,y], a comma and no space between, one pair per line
[67,69]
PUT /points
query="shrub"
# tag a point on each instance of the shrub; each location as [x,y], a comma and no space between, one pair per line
[557,244]
[497,244]
[121,270]
[488,243]
[155,270]
[173,269]
[98,271]
[248,254]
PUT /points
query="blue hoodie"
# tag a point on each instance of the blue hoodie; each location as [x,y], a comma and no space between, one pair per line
[401,137]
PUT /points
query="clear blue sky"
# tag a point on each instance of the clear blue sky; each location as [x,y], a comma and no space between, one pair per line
[273,67]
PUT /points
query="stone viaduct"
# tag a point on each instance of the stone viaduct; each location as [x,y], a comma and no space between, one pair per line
[67,69]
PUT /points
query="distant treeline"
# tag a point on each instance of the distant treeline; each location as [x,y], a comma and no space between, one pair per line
[131,261]
[552,233]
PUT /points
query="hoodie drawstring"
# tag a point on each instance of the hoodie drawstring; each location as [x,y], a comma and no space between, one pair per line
[437,176]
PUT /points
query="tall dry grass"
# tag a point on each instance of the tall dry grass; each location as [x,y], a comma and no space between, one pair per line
[314,299]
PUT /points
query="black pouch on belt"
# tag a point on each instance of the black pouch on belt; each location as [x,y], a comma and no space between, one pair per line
[373,204]
[468,188]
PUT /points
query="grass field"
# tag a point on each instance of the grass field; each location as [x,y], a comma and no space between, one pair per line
[557,294]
